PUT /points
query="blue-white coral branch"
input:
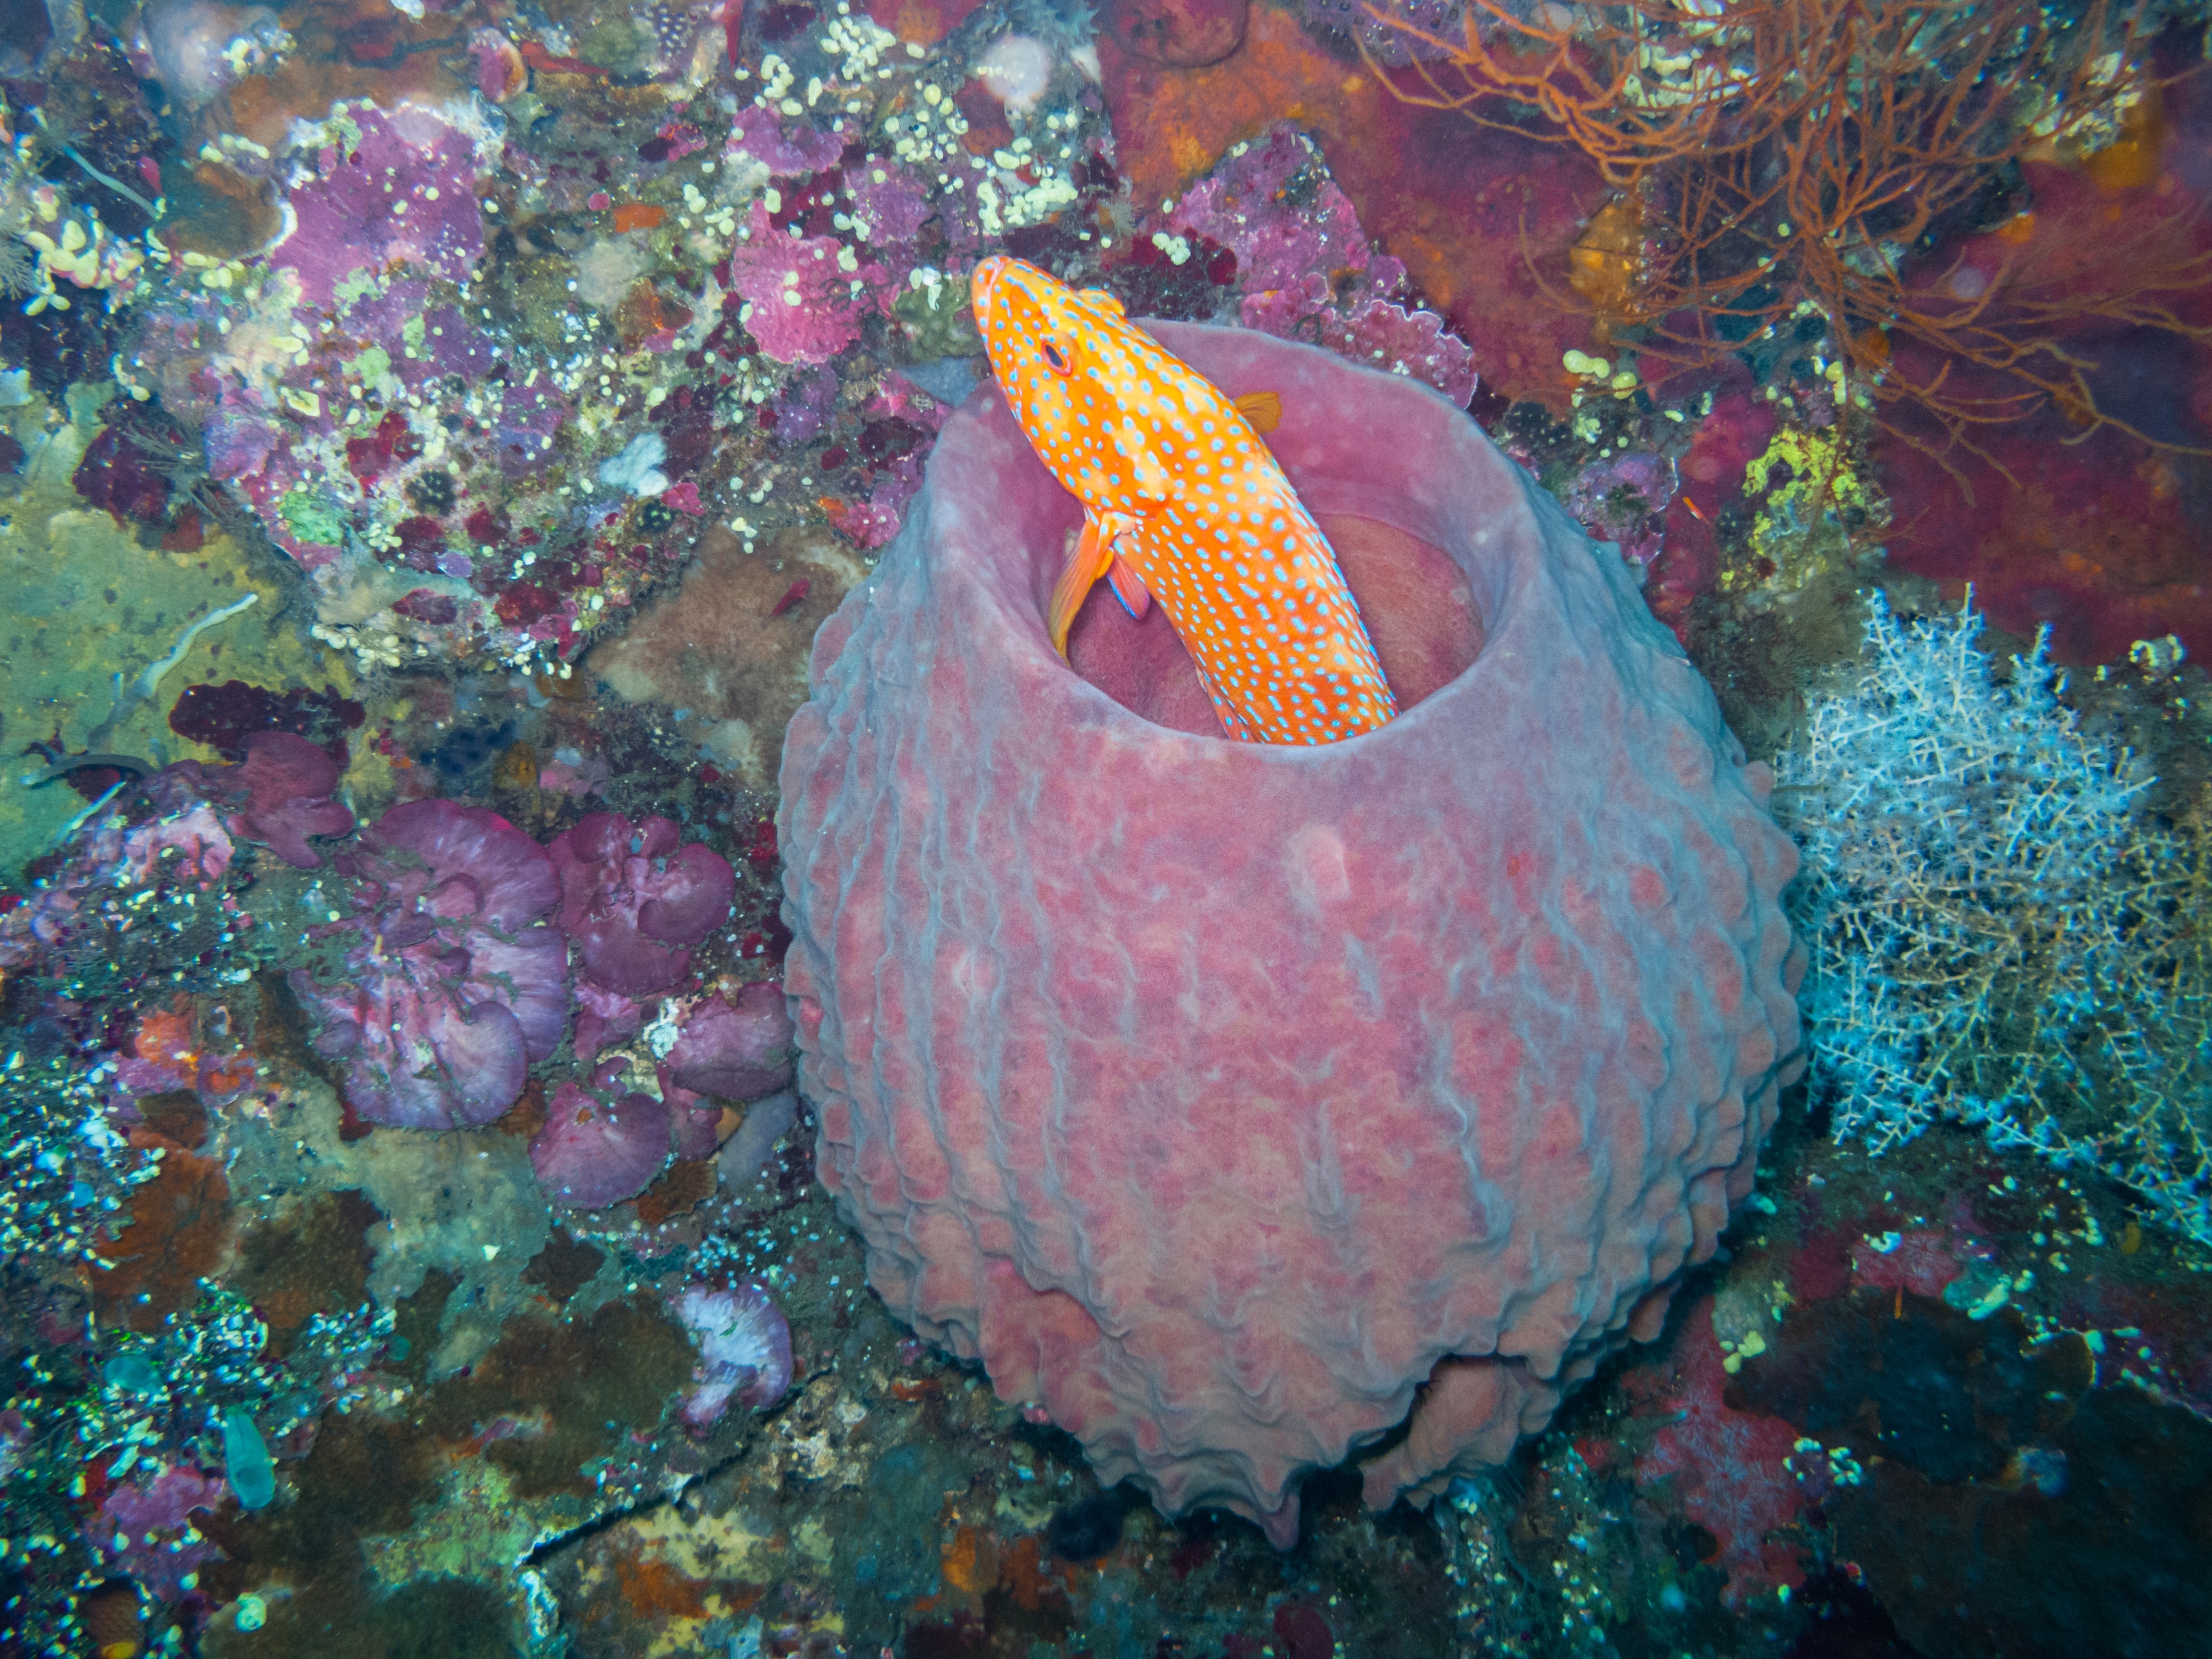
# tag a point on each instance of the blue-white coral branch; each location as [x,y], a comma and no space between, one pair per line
[1999,933]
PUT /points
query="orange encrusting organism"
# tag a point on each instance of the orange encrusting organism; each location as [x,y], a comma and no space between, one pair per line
[1182,502]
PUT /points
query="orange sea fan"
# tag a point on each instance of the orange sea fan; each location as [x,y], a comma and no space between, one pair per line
[1772,153]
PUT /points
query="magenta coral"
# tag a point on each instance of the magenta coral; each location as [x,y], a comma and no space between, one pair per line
[192,845]
[784,148]
[804,308]
[147,1532]
[635,900]
[287,783]
[600,1144]
[1219,1095]
[733,1050]
[1381,335]
[178,836]
[1307,271]
[406,192]
[450,983]
[1731,1471]
[1623,500]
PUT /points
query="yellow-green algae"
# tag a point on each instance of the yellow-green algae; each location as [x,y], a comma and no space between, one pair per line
[1810,524]
[87,602]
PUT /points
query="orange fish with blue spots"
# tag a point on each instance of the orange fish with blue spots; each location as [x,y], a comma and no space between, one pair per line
[1181,502]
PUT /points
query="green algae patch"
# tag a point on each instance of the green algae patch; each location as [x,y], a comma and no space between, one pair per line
[308,515]
[93,651]
[475,1529]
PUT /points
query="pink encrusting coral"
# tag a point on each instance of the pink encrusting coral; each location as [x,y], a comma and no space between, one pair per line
[1219,1096]
[806,308]
[635,900]
[405,191]
[1732,1472]
[1306,267]
[450,984]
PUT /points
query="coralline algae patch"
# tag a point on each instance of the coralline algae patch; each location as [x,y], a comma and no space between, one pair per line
[499,373]
[1307,271]
[488,390]
[328,1371]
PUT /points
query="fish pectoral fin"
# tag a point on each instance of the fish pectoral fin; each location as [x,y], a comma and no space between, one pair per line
[1129,588]
[1092,553]
[1264,410]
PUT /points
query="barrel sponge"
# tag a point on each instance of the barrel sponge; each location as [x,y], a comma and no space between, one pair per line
[1232,1102]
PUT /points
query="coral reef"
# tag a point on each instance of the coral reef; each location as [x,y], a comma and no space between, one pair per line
[1749,198]
[1087,1139]
[477,411]
[446,981]
[1998,933]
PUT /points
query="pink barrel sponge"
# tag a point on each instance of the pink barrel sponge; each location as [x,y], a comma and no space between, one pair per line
[1219,1097]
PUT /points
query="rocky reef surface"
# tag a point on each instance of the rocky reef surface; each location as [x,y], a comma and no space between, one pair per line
[432,438]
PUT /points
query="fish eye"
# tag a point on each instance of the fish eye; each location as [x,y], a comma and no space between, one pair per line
[1054,358]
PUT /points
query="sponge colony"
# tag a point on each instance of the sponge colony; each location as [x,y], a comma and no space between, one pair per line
[1219,1096]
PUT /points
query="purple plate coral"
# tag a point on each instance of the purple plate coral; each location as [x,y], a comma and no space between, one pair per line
[288,782]
[452,981]
[733,1050]
[635,901]
[600,1146]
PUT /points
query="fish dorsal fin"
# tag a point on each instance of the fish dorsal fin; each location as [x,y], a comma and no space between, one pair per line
[1264,410]
[1105,302]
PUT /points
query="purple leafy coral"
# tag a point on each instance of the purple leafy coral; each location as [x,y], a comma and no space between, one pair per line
[733,1050]
[286,781]
[634,902]
[450,983]
[600,1144]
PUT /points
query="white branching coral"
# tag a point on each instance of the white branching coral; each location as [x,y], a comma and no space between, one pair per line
[2000,935]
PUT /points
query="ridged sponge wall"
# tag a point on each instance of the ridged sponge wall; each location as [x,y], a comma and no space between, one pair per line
[1219,1095]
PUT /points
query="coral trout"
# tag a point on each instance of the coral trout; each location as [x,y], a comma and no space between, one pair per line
[1182,500]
